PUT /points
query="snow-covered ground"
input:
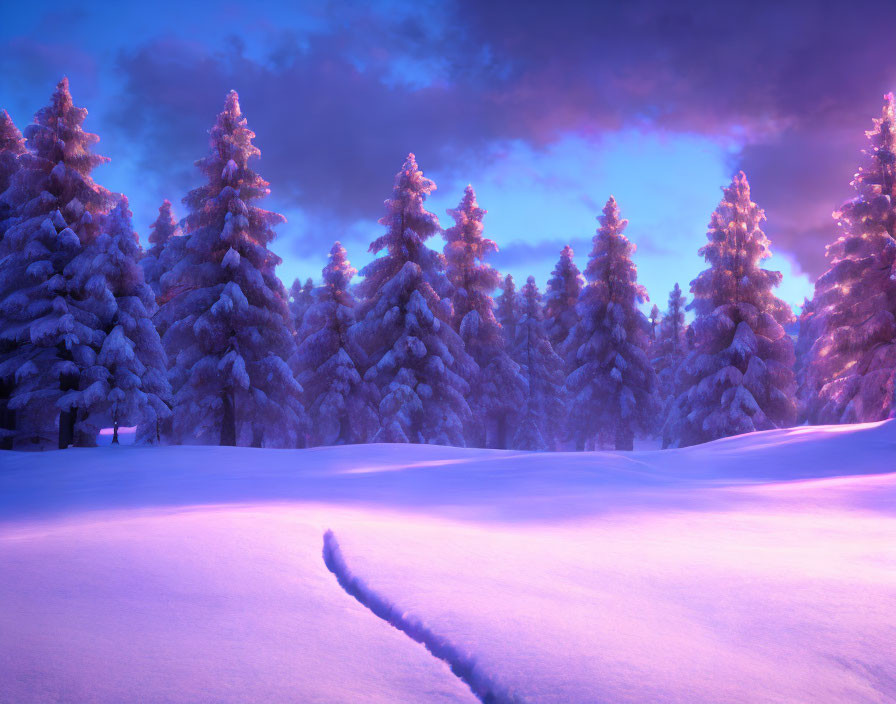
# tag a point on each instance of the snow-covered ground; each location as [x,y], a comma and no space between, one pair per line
[754,569]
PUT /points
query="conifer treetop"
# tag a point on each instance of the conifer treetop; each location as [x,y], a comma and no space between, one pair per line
[735,249]
[11,139]
[164,227]
[868,221]
[507,305]
[232,187]
[57,134]
[408,225]
[561,296]
[466,245]
[337,276]
[55,173]
[12,146]
[564,285]
[672,327]
[877,176]
[611,271]
[465,252]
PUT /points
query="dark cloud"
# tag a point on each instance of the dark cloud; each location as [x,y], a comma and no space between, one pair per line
[797,82]
[336,110]
[799,178]
[698,66]
[332,134]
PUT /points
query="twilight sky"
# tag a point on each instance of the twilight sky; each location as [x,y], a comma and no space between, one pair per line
[545,108]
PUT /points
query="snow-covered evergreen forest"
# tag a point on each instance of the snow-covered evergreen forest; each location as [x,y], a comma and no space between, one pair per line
[195,340]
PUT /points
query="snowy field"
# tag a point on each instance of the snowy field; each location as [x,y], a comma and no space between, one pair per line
[753,569]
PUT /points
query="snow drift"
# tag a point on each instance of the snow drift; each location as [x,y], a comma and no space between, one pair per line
[753,569]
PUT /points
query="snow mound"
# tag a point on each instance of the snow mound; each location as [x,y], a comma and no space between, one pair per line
[753,569]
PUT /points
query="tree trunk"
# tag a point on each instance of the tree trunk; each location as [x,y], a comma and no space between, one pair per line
[501,432]
[164,425]
[67,382]
[115,431]
[625,438]
[416,425]
[228,420]
[257,436]
[7,415]
[343,437]
[66,428]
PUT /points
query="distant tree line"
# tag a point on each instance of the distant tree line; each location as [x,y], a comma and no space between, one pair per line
[196,340]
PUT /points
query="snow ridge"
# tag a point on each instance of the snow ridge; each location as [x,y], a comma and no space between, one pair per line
[462,664]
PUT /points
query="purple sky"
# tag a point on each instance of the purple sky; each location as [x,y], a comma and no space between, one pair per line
[546,110]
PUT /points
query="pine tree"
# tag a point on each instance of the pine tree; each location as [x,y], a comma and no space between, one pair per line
[127,384]
[507,309]
[465,252]
[301,297]
[612,387]
[228,329]
[671,348]
[561,297]
[851,373]
[739,378]
[542,369]
[498,390]
[161,233]
[48,335]
[12,146]
[414,358]
[335,395]
[160,266]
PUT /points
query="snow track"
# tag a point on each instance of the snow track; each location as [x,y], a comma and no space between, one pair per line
[462,664]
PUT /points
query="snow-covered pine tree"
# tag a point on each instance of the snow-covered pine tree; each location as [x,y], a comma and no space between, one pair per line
[163,269]
[560,299]
[12,146]
[498,389]
[414,357]
[229,334]
[612,387]
[851,374]
[337,402]
[739,378]
[542,369]
[48,336]
[466,249]
[507,309]
[160,234]
[127,384]
[670,348]
[301,297]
